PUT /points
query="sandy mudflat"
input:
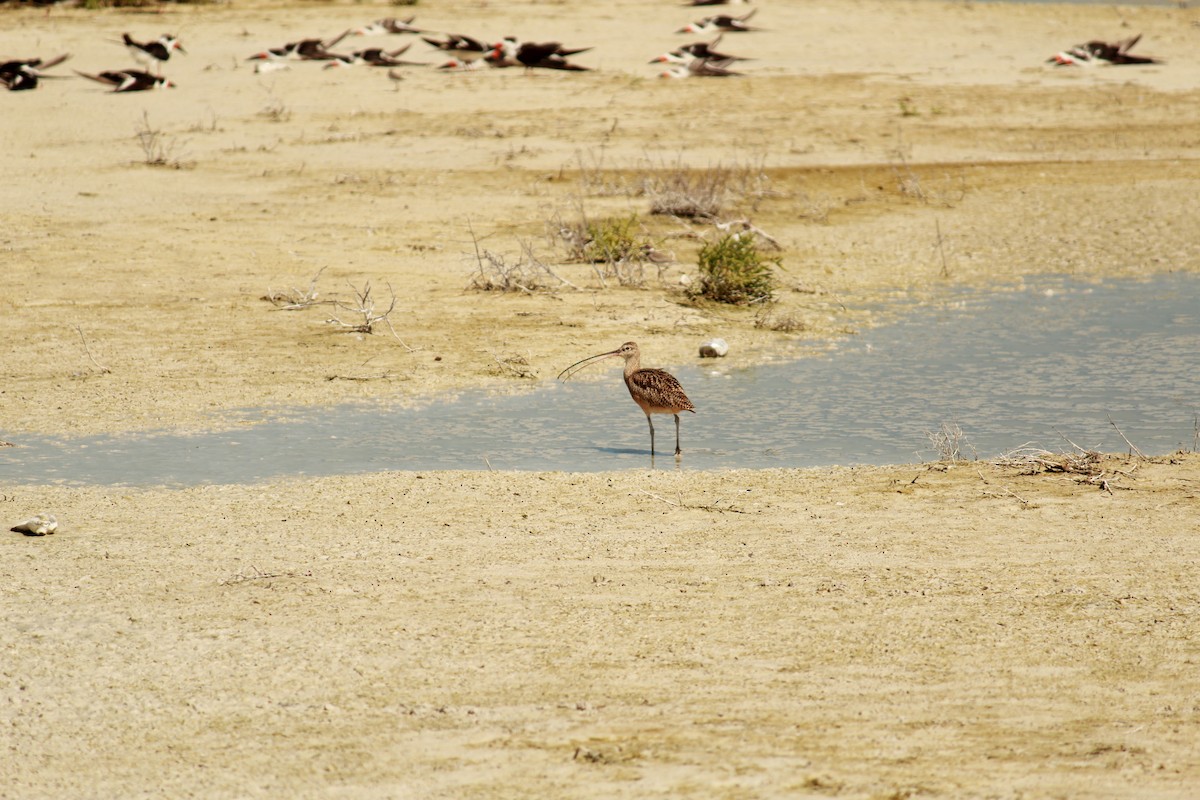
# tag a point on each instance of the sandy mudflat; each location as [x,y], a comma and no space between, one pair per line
[909,631]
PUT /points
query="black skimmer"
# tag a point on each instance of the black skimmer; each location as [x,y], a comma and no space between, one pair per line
[388,25]
[459,46]
[715,2]
[464,64]
[305,49]
[705,50]
[1097,51]
[534,55]
[700,68]
[376,57]
[21,75]
[130,80]
[722,23]
[1118,52]
[702,50]
[1076,56]
[153,53]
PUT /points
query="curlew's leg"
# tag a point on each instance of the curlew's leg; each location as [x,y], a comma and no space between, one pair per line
[677,450]
[651,424]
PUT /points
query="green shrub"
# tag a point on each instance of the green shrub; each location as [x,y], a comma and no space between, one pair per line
[733,271]
[613,239]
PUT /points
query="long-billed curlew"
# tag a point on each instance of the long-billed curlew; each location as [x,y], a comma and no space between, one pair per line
[654,390]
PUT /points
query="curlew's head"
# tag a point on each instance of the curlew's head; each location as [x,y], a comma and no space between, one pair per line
[628,351]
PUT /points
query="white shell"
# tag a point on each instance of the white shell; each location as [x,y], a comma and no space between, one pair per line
[713,348]
[40,525]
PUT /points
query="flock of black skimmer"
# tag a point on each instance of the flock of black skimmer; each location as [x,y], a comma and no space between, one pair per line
[463,53]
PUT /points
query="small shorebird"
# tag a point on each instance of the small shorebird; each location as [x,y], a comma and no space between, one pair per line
[720,23]
[153,53]
[129,80]
[654,390]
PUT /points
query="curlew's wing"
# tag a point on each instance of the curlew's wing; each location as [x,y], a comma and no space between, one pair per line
[658,390]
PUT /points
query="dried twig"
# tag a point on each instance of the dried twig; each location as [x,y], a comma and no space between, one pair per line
[256,574]
[940,245]
[1083,462]
[681,504]
[103,369]
[732,226]
[1132,446]
[1009,493]
[296,299]
[515,364]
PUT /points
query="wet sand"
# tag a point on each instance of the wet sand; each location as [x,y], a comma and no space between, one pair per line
[962,631]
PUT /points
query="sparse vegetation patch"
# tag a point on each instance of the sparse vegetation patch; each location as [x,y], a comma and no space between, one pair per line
[733,271]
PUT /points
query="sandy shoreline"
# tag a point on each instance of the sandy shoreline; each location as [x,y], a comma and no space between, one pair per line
[871,632]
[905,631]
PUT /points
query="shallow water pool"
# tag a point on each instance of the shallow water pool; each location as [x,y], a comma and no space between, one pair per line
[1054,362]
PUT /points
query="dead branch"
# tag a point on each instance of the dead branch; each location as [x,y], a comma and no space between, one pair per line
[1008,493]
[681,504]
[256,574]
[295,299]
[1132,446]
[1083,462]
[366,307]
[749,227]
[103,369]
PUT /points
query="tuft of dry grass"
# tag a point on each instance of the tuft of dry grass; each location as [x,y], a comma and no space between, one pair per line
[678,190]
[158,149]
[770,318]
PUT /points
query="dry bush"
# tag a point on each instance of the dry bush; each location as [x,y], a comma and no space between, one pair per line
[770,318]
[363,306]
[680,191]
[596,179]
[617,248]
[949,442]
[526,273]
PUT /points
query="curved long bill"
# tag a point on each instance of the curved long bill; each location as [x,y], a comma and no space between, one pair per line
[570,371]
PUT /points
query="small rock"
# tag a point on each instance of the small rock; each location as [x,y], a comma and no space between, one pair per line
[40,525]
[713,348]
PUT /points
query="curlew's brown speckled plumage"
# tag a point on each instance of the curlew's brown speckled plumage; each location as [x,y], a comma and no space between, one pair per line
[654,390]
